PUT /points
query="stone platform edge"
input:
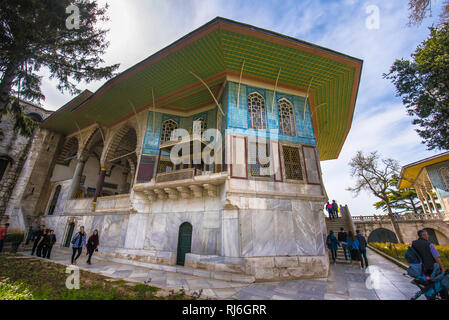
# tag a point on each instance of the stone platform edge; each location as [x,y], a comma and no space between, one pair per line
[386,256]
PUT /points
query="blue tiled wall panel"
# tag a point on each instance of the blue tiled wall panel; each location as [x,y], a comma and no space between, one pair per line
[436,179]
[237,122]
[236,119]
[152,137]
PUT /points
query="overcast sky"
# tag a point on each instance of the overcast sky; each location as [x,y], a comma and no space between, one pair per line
[139,28]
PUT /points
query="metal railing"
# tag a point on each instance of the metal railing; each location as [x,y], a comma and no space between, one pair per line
[406,217]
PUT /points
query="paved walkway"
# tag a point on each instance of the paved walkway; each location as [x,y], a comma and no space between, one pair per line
[345,282]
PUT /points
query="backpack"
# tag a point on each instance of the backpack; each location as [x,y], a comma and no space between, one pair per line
[415,261]
[412,256]
[328,241]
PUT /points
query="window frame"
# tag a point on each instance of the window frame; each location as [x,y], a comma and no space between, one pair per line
[267,144]
[162,130]
[316,163]
[294,129]
[302,162]
[265,117]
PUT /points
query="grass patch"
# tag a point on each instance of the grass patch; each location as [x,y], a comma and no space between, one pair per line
[25,278]
[397,251]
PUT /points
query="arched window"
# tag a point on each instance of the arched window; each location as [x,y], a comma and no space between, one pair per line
[54,200]
[167,128]
[35,116]
[444,173]
[256,111]
[203,124]
[287,117]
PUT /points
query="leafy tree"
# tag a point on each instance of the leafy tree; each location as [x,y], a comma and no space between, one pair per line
[423,84]
[376,176]
[421,9]
[34,34]
[402,201]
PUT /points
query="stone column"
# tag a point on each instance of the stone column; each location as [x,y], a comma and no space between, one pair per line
[76,178]
[434,204]
[100,183]
[429,207]
[420,197]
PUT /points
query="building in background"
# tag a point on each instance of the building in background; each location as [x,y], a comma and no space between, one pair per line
[243,219]
[17,154]
[429,176]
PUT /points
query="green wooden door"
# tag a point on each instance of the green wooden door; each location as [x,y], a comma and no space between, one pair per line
[184,242]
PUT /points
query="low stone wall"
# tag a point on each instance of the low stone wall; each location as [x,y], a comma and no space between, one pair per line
[145,256]
[285,268]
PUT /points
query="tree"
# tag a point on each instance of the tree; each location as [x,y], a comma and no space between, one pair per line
[423,84]
[34,34]
[421,9]
[376,176]
[402,201]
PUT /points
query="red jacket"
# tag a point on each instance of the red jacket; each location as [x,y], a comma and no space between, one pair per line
[3,233]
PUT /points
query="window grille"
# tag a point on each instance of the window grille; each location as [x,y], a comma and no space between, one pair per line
[258,164]
[203,125]
[256,111]
[165,166]
[168,126]
[292,163]
[287,117]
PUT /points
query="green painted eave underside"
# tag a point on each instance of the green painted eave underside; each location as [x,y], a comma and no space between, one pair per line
[331,83]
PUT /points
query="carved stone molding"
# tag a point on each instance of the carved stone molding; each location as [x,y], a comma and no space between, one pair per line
[185,192]
[152,196]
[211,189]
[160,194]
[197,191]
[173,194]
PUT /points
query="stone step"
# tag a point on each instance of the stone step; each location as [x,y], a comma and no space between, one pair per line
[225,276]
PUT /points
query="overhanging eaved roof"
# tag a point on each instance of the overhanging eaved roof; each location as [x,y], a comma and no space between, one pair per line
[213,52]
[410,172]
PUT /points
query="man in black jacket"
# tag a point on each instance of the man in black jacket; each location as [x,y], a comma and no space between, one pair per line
[362,247]
[343,240]
[51,243]
[36,237]
[428,253]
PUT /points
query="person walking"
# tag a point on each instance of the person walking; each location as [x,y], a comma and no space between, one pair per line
[41,244]
[51,242]
[78,242]
[92,245]
[343,240]
[335,209]
[332,244]
[329,210]
[362,248]
[36,237]
[428,253]
[33,229]
[3,232]
[354,248]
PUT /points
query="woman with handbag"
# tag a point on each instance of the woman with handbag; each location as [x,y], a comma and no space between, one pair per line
[92,245]
[78,242]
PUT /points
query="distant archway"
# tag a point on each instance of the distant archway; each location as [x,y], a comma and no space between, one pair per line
[68,152]
[35,116]
[382,235]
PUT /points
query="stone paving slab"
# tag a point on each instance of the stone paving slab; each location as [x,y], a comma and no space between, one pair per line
[345,282]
